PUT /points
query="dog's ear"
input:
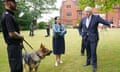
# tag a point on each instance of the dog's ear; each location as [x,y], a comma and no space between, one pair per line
[41,46]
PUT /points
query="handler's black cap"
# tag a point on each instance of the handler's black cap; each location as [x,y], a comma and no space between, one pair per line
[9,0]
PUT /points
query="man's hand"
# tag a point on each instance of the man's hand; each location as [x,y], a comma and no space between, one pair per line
[21,37]
[16,35]
[111,26]
[22,45]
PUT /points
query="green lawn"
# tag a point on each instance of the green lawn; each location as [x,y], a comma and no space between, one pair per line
[108,51]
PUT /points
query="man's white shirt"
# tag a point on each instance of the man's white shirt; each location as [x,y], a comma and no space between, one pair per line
[88,19]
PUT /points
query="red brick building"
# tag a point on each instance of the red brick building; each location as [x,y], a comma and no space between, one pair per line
[114,16]
[70,14]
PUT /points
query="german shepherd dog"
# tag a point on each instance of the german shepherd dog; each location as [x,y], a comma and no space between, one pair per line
[33,59]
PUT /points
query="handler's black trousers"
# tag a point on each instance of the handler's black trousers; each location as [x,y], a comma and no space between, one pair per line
[15,58]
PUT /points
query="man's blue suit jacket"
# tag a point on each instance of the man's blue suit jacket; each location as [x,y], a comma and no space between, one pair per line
[91,32]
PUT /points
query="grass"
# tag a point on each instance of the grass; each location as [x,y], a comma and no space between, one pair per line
[108,51]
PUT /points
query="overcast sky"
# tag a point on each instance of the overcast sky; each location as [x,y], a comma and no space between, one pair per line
[46,17]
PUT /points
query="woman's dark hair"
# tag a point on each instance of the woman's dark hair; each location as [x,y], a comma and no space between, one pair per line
[55,19]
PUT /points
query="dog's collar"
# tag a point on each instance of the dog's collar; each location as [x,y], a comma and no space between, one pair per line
[39,55]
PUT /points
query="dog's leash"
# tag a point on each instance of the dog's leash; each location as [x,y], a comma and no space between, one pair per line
[24,49]
[28,45]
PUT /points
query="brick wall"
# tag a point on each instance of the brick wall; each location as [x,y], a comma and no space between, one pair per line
[69,13]
[69,6]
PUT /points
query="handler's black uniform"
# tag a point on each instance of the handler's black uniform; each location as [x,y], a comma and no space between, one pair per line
[14,48]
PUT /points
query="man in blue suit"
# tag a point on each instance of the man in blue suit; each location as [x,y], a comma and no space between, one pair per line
[88,29]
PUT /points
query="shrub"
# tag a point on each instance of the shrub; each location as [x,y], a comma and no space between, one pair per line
[41,25]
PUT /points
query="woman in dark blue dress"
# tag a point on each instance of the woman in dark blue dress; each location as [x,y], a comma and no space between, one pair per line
[58,40]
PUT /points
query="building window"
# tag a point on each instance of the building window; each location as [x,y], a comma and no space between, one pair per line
[69,14]
[68,6]
[80,13]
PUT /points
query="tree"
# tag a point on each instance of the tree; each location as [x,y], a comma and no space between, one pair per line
[26,19]
[24,22]
[38,7]
[42,25]
[102,5]
[83,3]
[32,10]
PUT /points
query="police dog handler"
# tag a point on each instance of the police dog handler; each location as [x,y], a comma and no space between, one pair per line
[12,36]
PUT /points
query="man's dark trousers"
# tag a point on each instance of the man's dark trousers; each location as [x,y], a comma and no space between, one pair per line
[91,53]
[31,32]
[48,32]
[83,46]
[15,58]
